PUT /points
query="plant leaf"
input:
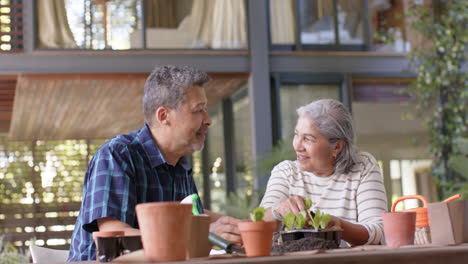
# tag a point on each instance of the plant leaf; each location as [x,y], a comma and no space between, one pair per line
[289,220]
[257,214]
[300,220]
[308,203]
[324,221]
[316,219]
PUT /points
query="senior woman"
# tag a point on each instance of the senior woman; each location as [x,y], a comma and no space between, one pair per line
[339,180]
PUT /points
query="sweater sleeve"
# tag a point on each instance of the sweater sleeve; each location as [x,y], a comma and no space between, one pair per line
[278,186]
[371,200]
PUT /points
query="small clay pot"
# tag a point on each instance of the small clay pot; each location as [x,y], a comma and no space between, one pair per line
[198,243]
[257,237]
[165,230]
[399,228]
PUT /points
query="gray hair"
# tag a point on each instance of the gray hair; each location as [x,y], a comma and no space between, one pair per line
[334,121]
[167,86]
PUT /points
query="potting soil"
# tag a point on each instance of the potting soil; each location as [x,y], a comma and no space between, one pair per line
[304,244]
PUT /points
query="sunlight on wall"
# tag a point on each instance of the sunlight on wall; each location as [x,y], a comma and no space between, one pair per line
[405,172]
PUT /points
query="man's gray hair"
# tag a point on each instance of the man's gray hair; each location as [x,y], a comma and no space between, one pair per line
[167,86]
[334,121]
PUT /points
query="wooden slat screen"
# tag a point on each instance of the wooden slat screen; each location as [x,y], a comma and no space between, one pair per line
[11,25]
[22,222]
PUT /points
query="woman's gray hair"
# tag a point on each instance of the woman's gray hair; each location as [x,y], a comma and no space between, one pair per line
[334,121]
[167,86]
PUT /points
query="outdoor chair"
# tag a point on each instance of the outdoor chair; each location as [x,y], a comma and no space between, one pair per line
[47,255]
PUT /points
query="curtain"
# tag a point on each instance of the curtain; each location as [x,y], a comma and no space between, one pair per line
[160,13]
[201,19]
[219,24]
[229,25]
[282,21]
[54,30]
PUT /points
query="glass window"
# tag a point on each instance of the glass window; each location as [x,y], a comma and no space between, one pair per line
[243,143]
[216,163]
[319,22]
[294,96]
[138,24]
[98,24]
[390,33]
[196,24]
[318,19]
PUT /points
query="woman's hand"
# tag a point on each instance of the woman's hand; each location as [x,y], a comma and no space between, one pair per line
[335,223]
[293,204]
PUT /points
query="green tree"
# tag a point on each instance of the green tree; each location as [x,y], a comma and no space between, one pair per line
[440,86]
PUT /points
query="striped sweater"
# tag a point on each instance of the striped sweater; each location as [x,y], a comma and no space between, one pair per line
[358,197]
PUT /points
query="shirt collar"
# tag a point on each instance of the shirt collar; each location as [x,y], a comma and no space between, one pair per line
[152,150]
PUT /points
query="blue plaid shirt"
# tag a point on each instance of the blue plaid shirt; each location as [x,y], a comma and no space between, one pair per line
[127,170]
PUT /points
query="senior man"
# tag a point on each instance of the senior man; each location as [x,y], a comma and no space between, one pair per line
[150,164]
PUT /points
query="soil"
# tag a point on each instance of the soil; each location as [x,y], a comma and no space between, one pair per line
[308,243]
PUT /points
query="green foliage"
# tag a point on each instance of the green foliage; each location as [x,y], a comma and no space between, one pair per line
[11,255]
[325,220]
[441,87]
[44,171]
[257,214]
[282,151]
[301,220]
[320,220]
[308,203]
[240,206]
[289,221]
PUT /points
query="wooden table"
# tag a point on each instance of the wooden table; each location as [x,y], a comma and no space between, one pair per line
[372,254]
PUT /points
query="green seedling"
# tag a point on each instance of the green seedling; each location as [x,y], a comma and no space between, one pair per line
[308,203]
[324,221]
[320,220]
[289,220]
[257,214]
[301,220]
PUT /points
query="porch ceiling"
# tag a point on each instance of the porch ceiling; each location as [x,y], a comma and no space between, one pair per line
[89,106]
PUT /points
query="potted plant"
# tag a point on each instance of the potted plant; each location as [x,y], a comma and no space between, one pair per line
[307,224]
[257,235]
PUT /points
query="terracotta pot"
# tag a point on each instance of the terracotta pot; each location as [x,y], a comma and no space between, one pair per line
[399,228]
[165,230]
[199,245]
[257,237]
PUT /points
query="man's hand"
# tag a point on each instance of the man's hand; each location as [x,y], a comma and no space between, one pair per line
[226,227]
[293,204]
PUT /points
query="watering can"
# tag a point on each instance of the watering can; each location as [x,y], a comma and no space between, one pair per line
[422,234]
[421,212]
